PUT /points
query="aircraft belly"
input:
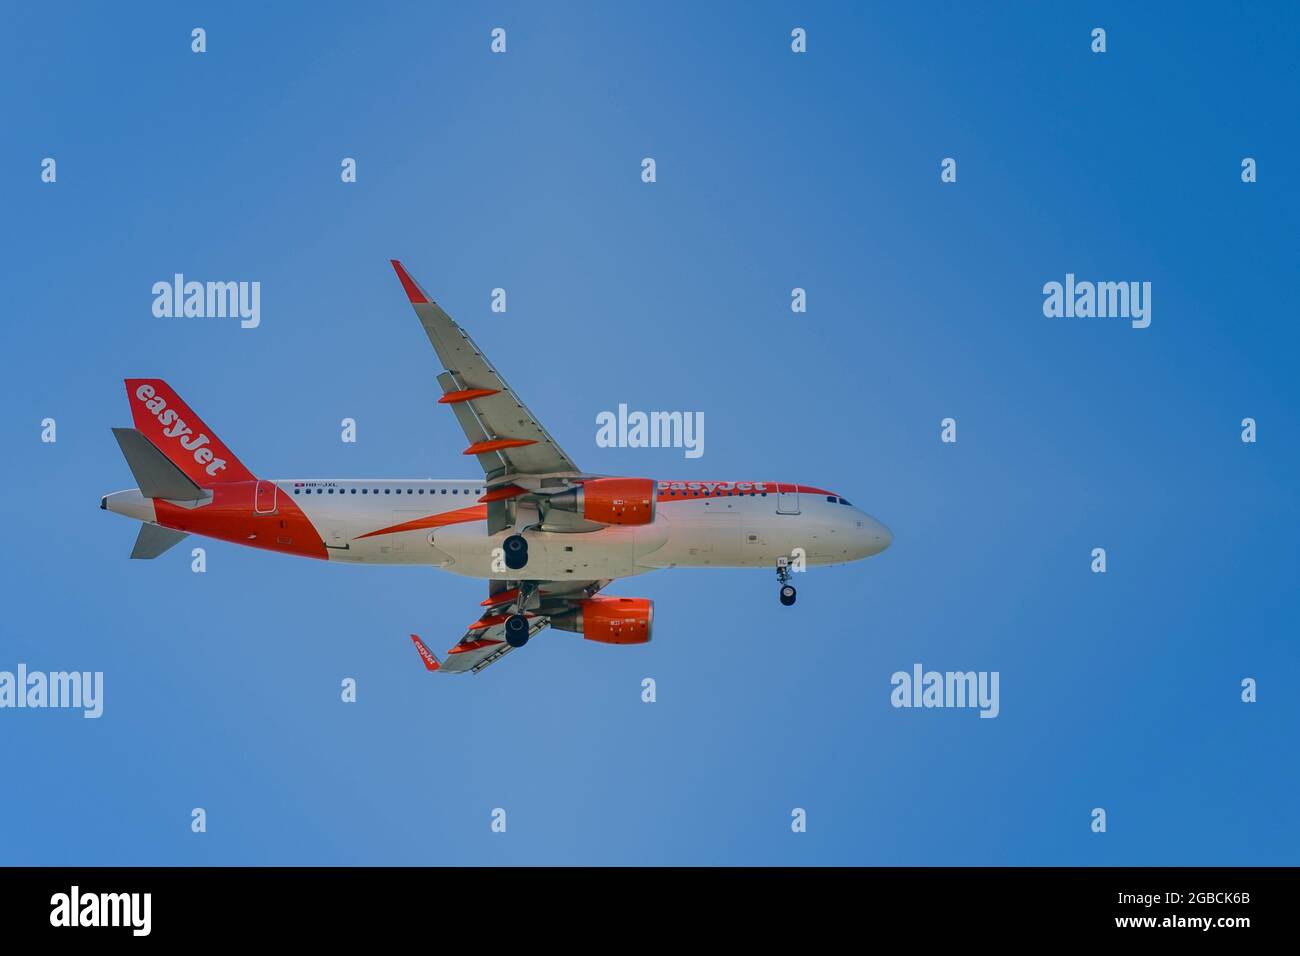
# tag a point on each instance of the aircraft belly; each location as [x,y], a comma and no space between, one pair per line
[552,556]
[728,540]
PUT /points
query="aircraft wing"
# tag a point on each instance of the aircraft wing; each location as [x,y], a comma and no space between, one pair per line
[503,434]
[476,650]
[484,641]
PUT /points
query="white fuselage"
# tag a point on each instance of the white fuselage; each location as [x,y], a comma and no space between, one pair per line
[441,523]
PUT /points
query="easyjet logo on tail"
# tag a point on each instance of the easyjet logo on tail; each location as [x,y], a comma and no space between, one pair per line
[175,428]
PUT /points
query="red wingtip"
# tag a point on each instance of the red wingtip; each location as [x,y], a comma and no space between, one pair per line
[426,655]
[413,291]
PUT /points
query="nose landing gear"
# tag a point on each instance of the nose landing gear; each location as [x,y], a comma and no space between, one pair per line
[783,575]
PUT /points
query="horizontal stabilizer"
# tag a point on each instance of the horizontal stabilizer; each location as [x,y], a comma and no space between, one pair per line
[154,471]
[153,540]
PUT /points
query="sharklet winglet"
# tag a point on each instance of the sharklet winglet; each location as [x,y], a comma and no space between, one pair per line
[431,662]
[413,291]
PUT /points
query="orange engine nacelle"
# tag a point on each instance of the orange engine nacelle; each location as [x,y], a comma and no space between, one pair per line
[610,620]
[611,500]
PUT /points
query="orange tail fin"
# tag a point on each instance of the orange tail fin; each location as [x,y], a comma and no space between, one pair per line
[181,435]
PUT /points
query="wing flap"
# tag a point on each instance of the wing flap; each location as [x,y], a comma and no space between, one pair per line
[483,646]
[478,649]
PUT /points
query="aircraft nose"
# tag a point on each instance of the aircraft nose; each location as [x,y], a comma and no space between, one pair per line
[873,537]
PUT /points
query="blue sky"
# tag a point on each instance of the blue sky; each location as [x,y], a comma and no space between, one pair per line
[775,170]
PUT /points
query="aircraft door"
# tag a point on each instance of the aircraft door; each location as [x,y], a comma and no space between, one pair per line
[264,497]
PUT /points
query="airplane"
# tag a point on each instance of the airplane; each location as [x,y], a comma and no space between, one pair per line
[546,535]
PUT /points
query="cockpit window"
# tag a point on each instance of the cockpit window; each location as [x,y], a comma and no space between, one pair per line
[831,499]
[845,501]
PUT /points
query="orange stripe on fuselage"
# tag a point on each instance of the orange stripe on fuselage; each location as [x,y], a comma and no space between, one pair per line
[720,489]
[459,516]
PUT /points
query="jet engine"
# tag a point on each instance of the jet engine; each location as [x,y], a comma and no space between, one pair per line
[629,501]
[610,620]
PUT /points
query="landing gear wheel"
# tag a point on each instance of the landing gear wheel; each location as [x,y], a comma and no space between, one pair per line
[517,630]
[783,575]
[516,549]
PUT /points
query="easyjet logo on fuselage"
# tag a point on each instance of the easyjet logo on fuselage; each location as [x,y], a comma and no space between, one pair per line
[174,427]
[709,487]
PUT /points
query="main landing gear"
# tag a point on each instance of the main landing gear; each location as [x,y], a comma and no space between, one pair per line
[783,575]
[516,630]
[516,551]
[517,623]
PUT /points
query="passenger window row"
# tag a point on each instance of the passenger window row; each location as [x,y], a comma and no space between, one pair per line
[375,491]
